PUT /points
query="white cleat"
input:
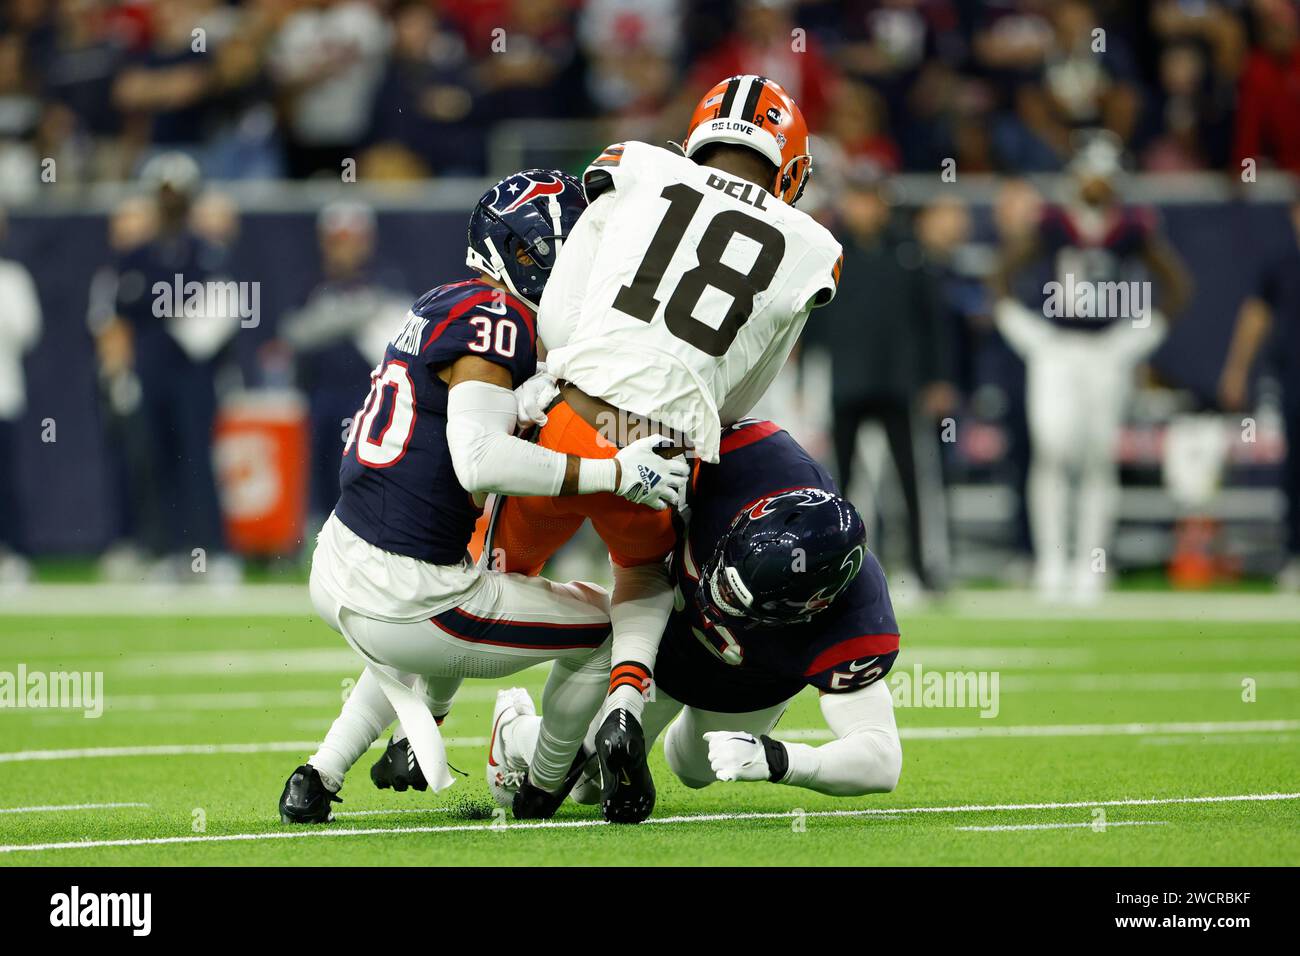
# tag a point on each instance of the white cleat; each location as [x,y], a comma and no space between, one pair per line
[503,777]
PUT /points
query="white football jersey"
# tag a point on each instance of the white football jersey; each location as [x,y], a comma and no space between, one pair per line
[682,290]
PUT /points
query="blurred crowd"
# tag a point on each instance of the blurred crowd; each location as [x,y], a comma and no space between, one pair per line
[414,88]
[178,92]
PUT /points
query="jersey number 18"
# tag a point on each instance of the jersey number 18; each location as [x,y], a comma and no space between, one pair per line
[637,299]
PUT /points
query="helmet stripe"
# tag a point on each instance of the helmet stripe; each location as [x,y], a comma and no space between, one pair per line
[742,94]
[729,97]
[751,98]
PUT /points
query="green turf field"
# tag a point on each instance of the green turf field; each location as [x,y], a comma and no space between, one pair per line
[1109,729]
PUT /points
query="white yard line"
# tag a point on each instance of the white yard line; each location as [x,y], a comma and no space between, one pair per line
[976,731]
[966,732]
[1114,683]
[261,700]
[1100,828]
[995,657]
[58,807]
[1226,740]
[145,600]
[191,750]
[315,660]
[881,812]
[1124,605]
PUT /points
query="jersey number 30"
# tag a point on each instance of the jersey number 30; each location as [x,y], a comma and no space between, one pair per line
[382,429]
[637,299]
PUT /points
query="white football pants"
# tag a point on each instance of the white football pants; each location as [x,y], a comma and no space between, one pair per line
[1077,389]
[504,623]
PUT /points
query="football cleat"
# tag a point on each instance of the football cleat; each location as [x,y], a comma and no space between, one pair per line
[306,799]
[627,791]
[397,768]
[534,803]
[502,780]
[586,792]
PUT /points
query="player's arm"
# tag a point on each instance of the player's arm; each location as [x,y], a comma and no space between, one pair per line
[488,458]
[1254,321]
[864,757]
[1023,330]
[1015,257]
[1167,267]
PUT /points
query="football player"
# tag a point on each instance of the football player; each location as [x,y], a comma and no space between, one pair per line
[433,438]
[774,591]
[1080,355]
[672,307]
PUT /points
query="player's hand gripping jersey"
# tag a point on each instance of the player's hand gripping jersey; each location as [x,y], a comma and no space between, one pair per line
[682,290]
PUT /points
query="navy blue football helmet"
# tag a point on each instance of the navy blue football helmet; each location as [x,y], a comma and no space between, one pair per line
[784,558]
[532,211]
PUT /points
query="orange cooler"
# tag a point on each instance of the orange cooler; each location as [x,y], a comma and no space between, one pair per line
[262,450]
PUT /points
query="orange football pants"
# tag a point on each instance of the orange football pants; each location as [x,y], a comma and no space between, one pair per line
[528,531]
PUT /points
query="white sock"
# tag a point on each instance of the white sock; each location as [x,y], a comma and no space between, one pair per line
[573,695]
[629,699]
[365,715]
[439,691]
[639,609]
[1049,493]
[1096,503]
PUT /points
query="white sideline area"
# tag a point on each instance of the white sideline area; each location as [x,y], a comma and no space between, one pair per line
[202,600]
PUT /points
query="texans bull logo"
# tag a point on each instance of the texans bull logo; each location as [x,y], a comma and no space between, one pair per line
[765,506]
[851,564]
[521,192]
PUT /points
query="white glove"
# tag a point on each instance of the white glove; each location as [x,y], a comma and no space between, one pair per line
[648,479]
[534,396]
[736,755]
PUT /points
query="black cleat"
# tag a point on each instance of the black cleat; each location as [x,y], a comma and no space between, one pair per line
[397,768]
[534,803]
[627,791]
[306,799]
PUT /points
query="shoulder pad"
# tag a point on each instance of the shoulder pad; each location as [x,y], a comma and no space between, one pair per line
[599,176]
[853,663]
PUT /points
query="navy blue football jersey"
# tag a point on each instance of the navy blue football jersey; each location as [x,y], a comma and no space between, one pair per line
[732,669]
[398,488]
[1082,259]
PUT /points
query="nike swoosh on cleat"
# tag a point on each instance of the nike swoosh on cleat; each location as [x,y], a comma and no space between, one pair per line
[493,739]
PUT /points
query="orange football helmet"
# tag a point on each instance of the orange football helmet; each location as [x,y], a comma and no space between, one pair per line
[754,111]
